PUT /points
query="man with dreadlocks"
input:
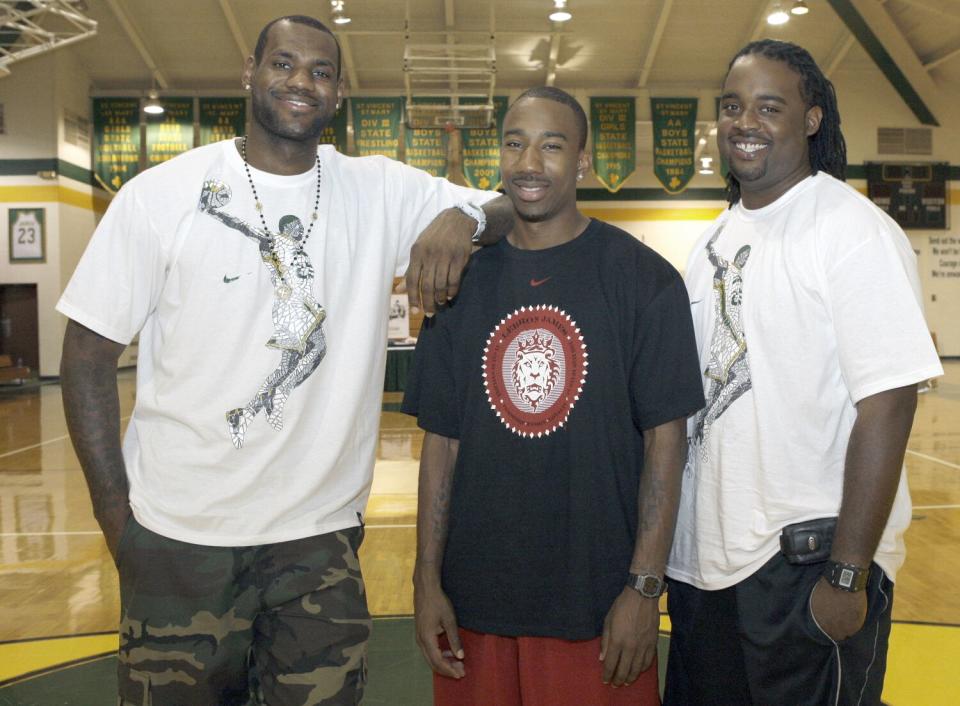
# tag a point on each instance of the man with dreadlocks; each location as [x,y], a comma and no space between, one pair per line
[806,305]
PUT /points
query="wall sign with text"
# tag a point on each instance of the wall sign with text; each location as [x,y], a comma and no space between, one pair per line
[613,129]
[674,141]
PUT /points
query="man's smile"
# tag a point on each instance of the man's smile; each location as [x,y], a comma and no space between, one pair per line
[295,101]
[530,189]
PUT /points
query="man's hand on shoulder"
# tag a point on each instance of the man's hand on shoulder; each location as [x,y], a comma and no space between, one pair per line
[437,260]
[629,642]
[839,613]
[434,616]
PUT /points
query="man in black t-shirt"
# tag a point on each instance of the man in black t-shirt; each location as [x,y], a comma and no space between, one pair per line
[554,394]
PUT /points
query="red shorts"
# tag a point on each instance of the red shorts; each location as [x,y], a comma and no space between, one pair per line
[538,671]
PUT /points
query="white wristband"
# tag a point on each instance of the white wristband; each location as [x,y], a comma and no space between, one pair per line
[477,214]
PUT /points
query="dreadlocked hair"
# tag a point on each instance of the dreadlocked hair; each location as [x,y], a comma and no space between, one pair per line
[827,148]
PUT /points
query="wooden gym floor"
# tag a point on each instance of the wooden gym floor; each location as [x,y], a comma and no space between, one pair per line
[57,580]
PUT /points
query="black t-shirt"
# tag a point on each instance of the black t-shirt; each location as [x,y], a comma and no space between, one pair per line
[547,368]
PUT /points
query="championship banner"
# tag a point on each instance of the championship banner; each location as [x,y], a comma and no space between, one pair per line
[376,126]
[481,149]
[222,119]
[116,141]
[171,132]
[613,125]
[335,133]
[674,141]
[426,149]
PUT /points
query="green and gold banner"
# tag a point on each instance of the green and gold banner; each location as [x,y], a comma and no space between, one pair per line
[171,132]
[674,141]
[116,141]
[222,119]
[335,133]
[481,149]
[376,126]
[426,149]
[613,125]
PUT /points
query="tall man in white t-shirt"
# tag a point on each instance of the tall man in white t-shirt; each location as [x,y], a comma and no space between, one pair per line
[257,273]
[806,305]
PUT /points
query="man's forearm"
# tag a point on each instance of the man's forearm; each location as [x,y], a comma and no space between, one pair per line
[88,374]
[500,215]
[437,460]
[872,472]
[659,497]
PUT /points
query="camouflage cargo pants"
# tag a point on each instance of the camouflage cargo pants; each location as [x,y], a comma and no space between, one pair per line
[280,624]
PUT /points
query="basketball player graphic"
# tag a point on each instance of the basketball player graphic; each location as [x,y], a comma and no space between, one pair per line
[729,365]
[297,316]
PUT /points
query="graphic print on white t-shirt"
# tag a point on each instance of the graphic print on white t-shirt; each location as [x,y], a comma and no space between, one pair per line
[729,366]
[534,368]
[297,315]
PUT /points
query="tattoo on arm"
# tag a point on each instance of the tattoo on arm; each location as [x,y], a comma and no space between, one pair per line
[437,461]
[92,406]
[441,508]
[651,504]
[659,495]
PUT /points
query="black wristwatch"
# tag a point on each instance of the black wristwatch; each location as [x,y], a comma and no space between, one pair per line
[846,577]
[647,585]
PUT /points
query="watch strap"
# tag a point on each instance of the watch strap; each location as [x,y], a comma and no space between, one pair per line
[846,577]
[647,585]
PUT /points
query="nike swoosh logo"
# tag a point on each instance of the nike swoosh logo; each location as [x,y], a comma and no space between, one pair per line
[538,282]
[228,280]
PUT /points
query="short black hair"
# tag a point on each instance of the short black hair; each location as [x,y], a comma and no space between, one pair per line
[560,96]
[298,19]
[828,150]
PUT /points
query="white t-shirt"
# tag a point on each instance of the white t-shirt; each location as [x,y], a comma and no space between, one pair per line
[801,309]
[260,371]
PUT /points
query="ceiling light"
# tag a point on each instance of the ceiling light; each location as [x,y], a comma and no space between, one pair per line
[560,12]
[799,8]
[777,16]
[338,15]
[153,105]
[705,162]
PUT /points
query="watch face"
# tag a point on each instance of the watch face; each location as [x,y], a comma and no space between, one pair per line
[652,586]
[647,585]
[846,576]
